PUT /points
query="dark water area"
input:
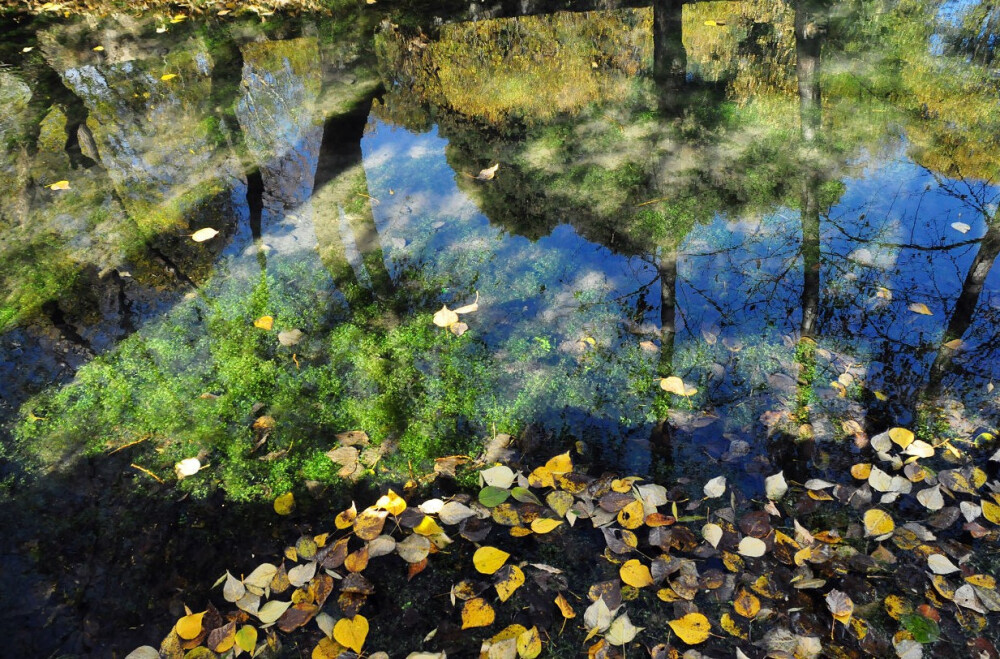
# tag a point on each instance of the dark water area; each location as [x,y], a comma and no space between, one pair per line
[790,207]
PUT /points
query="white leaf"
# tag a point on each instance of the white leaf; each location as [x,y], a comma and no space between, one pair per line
[431,506]
[970,510]
[445,317]
[300,575]
[961,227]
[234,589]
[271,611]
[201,235]
[879,480]
[290,337]
[966,596]
[940,564]
[881,442]
[598,616]
[752,547]
[653,495]
[454,512]
[931,499]
[818,484]
[187,467]
[716,487]
[919,448]
[145,652]
[326,623]
[469,308]
[909,649]
[622,631]
[500,476]
[712,534]
[261,576]
[776,486]
[381,546]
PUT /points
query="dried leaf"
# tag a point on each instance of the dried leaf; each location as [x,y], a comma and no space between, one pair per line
[775,486]
[201,235]
[674,385]
[716,487]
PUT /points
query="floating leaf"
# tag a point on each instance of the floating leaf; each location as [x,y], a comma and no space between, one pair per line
[271,611]
[144,652]
[187,467]
[924,630]
[246,638]
[189,626]
[931,498]
[201,235]
[961,227]
[414,548]
[285,504]
[491,497]
[716,487]
[233,589]
[59,185]
[901,436]
[544,524]
[746,604]
[477,613]
[445,317]
[488,173]
[564,606]
[920,308]
[264,323]
[775,486]
[351,633]
[752,547]
[622,631]
[500,476]
[920,449]
[469,308]
[291,337]
[939,564]
[840,606]
[712,534]
[391,503]
[168,76]
[674,385]
[598,616]
[488,560]
[529,644]
[636,574]
[693,628]
[878,523]
[508,579]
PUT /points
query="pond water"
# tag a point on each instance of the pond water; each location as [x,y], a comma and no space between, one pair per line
[793,209]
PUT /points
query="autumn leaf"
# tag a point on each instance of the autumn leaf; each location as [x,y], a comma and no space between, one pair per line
[746,604]
[58,185]
[510,578]
[488,173]
[622,631]
[564,606]
[445,317]
[189,626]
[840,606]
[878,523]
[246,638]
[201,235]
[166,77]
[477,613]
[285,504]
[693,628]
[674,385]
[264,323]
[488,560]
[716,487]
[351,632]
[920,308]
[529,644]
[636,574]
[544,525]
[187,467]
[391,503]
[752,547]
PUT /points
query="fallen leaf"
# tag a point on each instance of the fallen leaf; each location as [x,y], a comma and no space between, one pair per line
[488,560]
[775,486]
[746,604]
[509,579]
[168,76]
[271,611]
[264,323]
[712,534]
[544,524]
[246,638]
[840,606]
[564,606]
[878,523]
[621,631]
[529,644]
[189,626]
[445,317]
[290,337]
[961,227]
[940,564]
[488,173]
[477,613]
[201,235]
[187,467]
[636,574]
[59,185]
[285,504]
[351,633]
[693,628]
[752,547]
[716,487]
[674,385]
[920,308]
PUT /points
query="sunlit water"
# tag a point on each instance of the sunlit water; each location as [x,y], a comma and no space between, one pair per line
[806,240]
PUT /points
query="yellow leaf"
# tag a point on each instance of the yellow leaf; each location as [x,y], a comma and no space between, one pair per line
[636,574]
[881,396]
[561,464]
[544,524]
[519,532]
[840,606]
[954,344]
[513,579]
[477,613]
[746,604]
[529,644]
[675,385]
[632,516]
[264,322]
[729,624]
[98,49]
[983,581]
[346,518]
[201,235]
[489,559]
[59,185]
[693,628]
[189,626]
[878,523]
[351,633]
[861,471]
[901,436]
[427,527]
[168,76]
[327,648]
[445,317]
[897,607]
[541,477]
[920,308]
[564,606]
[285,504]
[391,502]
[991,511]
[246,638]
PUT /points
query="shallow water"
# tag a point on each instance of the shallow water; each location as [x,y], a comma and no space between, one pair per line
[793,210]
